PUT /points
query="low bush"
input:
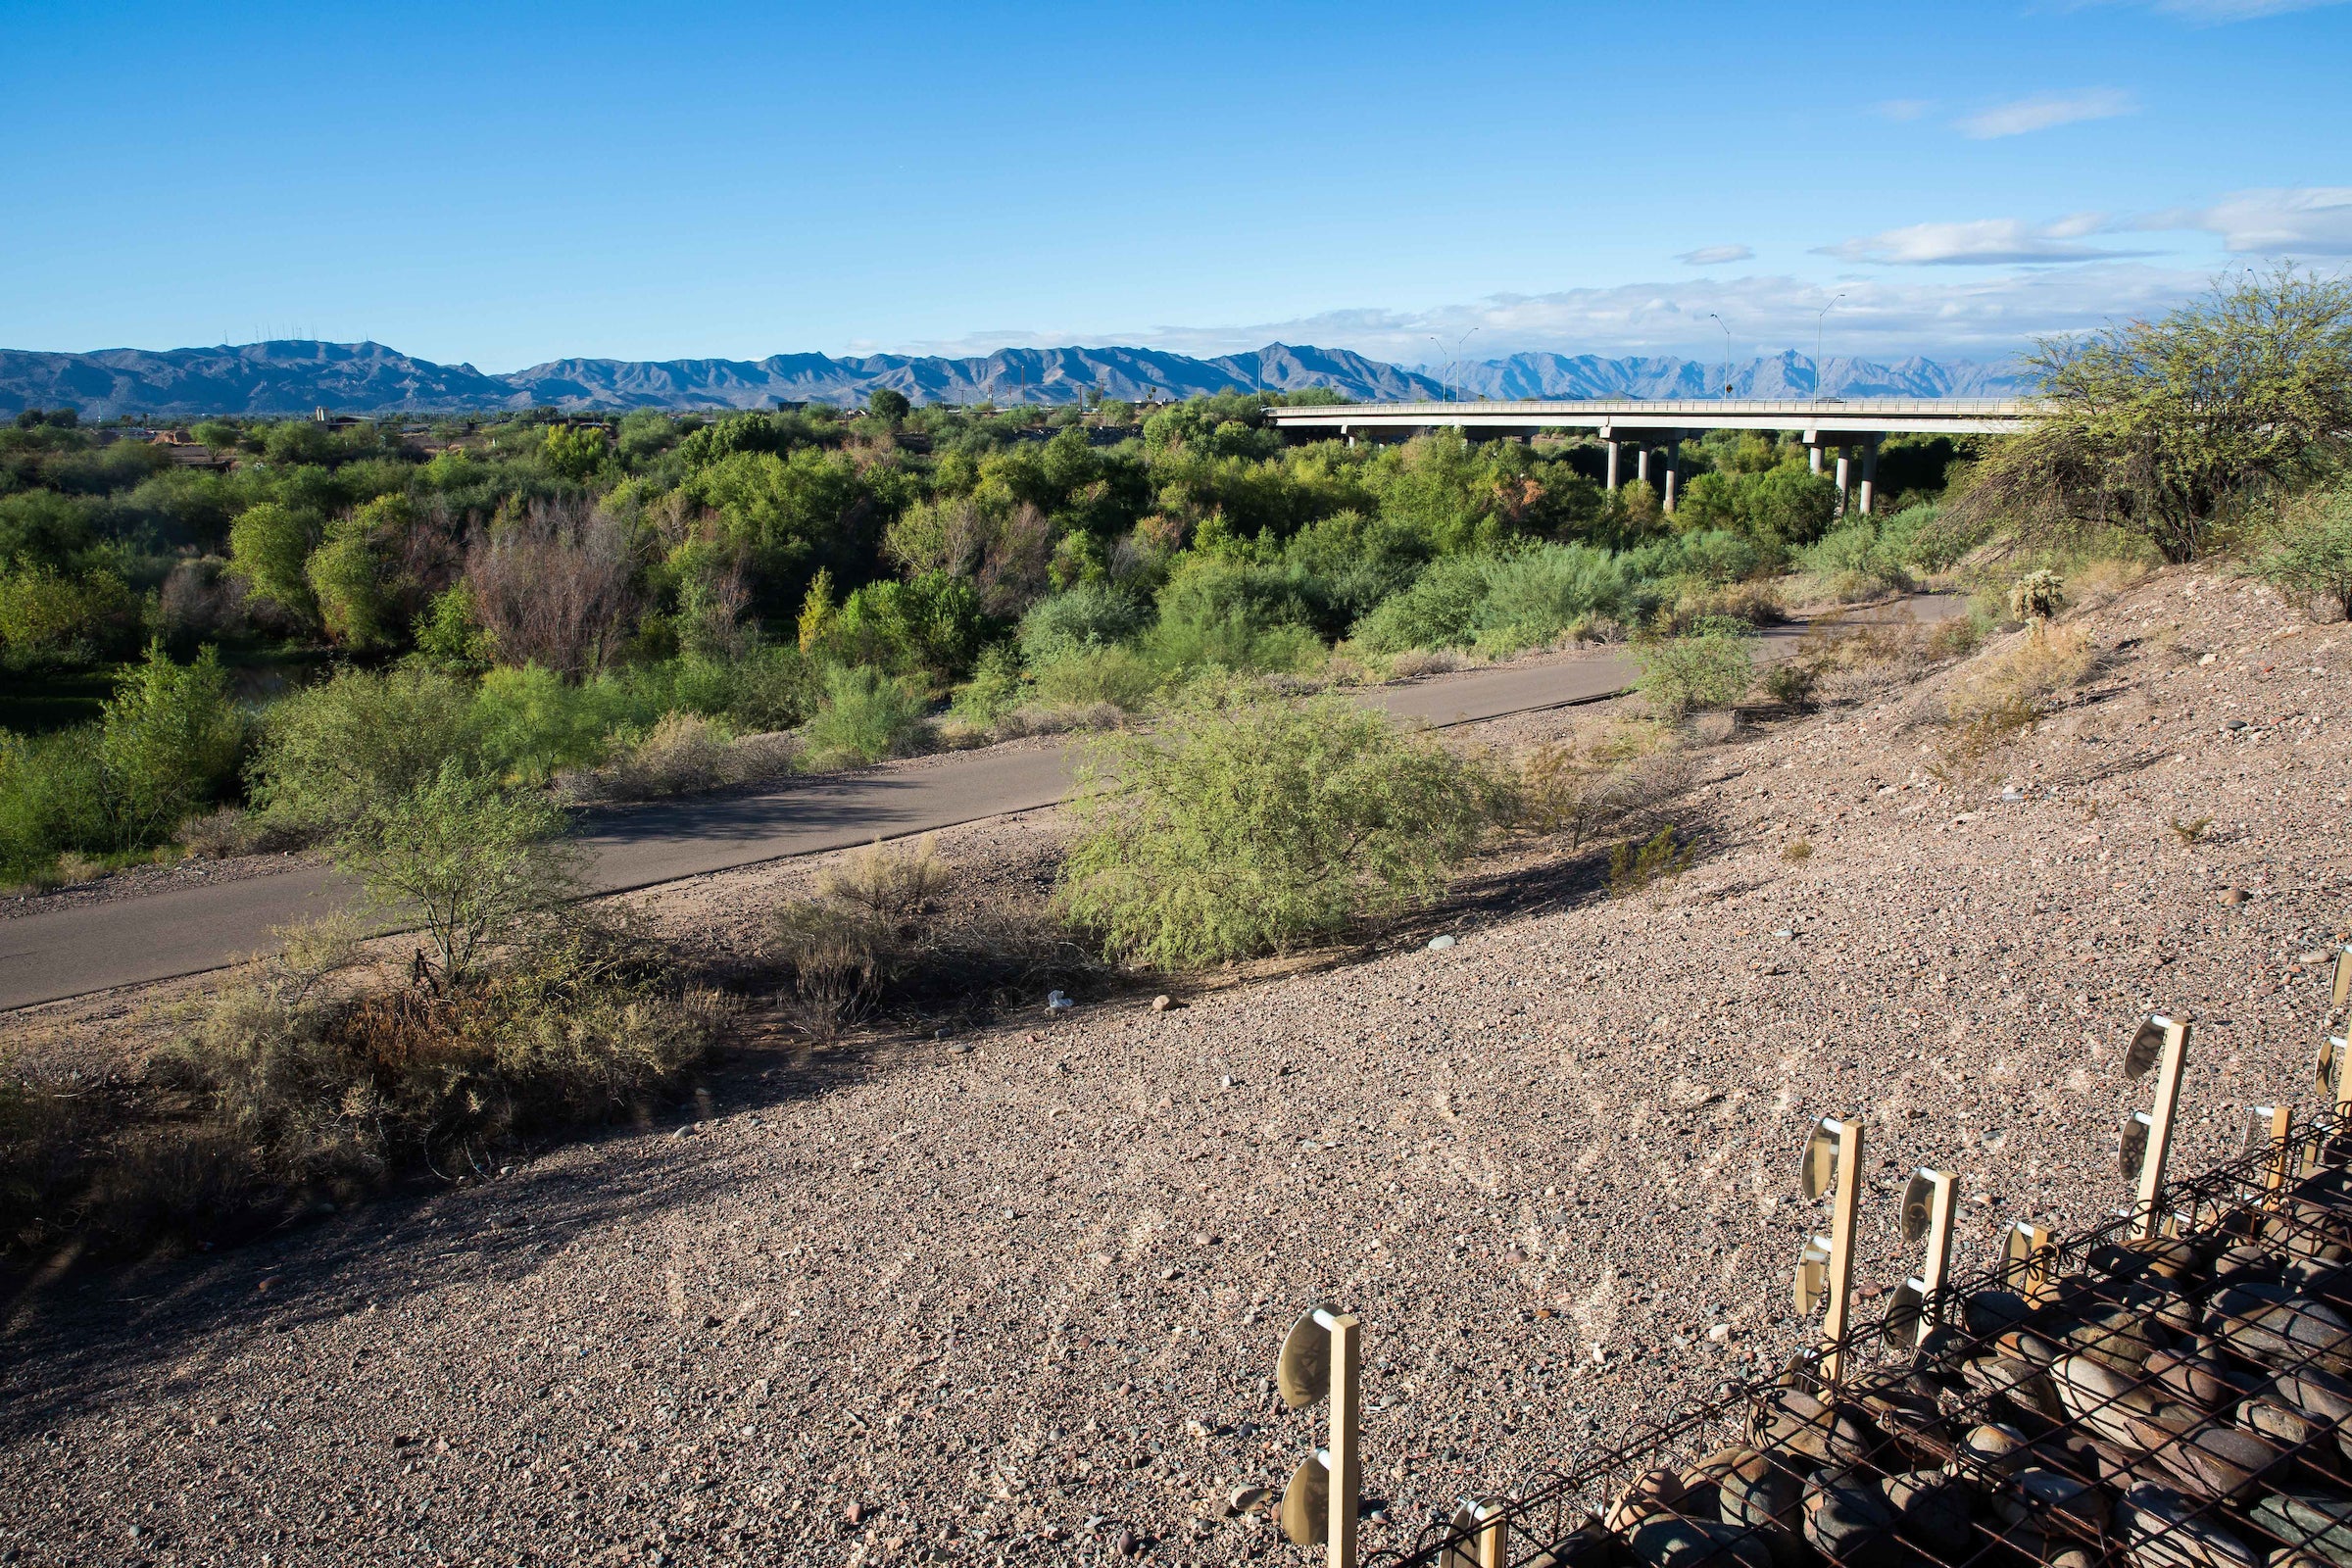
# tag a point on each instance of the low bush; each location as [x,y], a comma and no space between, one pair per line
[867,717]
[2037,596]
[1712,669]
[343,1083]
[2308,551]
[1236,830]
[1855,563]
[1660,859]
[331,752]
[1116,674]
[1568,788]
[881,934]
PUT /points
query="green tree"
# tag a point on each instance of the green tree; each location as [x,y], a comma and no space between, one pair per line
[269,547]
[349,573]
[2173,428]
[887,406]
[468,861]
[574,452]
[169,743]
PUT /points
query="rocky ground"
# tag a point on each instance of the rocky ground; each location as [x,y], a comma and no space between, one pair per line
[1015,1295]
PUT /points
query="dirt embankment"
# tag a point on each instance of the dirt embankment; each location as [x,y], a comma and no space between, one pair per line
[1015,1295]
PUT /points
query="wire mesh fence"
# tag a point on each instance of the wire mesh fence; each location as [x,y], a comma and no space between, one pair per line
[2174,1400]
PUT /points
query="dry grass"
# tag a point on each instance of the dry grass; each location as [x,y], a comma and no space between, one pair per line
[1582,787]
[1796,850]
[1415,663]
[2188,832]
[881,934]
[685,754]
[308,1074]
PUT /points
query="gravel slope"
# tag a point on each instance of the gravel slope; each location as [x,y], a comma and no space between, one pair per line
[1016,1294]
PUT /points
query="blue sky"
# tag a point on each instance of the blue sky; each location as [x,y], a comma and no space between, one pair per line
[508,186]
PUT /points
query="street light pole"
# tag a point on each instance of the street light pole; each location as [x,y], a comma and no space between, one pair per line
[1441,343]
[1457,354]
[1817,329]
[1727,356]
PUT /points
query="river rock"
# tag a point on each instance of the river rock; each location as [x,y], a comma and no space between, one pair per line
[1930,1510]
[2269,1323]
[1846,1518]
[2308,1518]
[2161,1529]
[1669,1542]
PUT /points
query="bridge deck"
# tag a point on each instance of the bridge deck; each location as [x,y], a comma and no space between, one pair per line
[1823,422]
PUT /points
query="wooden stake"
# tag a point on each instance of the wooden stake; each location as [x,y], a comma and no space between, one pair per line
[2343,976]
[2037,1282]
[2283,1127]
[1841,1242]
[2146,1222]
[1492,1550]
[1346,1458]
[1940,1252]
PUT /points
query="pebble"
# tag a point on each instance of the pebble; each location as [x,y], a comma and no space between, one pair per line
[1439,944]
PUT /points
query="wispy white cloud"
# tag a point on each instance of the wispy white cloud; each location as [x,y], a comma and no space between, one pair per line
[1982,242]
[1715,255]
[2211,13]
[1903,108]
[2302,221]
[2045,111]
[1986,317]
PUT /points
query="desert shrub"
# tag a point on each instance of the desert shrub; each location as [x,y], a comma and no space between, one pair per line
[879,932]
[1439,610]
[335,1081]
[997,687]
[331,752]
[1712,669]
[467,860]
[529,724]
[684,754]
[1086,616]
[52,796]
[2309,550]
[170,741]
[1791,683]
[1855,563]
[1239,830]
[1659,858]
[1116,674]
[1567,787]
[2037,596]
[866,717]
[1544,595]
[1931,538]
[216,835]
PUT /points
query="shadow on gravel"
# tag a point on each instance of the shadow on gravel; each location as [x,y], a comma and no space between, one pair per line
[76,1338]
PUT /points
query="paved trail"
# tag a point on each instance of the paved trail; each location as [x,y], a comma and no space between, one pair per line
[186,930]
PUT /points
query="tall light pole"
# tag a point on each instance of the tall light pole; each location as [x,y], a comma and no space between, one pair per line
[1457,354]
[1817,329]
[1441,343]
[1727,356]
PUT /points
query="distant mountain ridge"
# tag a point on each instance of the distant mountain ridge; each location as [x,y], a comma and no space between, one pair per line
[295,377]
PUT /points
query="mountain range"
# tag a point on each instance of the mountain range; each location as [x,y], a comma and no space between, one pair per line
[297,376]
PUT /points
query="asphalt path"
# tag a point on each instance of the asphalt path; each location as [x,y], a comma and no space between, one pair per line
[104,943]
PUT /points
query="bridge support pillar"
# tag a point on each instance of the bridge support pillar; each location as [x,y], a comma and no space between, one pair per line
[1612,446]
[1844,475]
[1870,472]
[1674,446]
[1641,464]
[1813,455]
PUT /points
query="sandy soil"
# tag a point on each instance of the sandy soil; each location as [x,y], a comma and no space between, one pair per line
[1015,1295]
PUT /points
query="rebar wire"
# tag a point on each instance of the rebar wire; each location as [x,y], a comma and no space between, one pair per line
[2141,1434]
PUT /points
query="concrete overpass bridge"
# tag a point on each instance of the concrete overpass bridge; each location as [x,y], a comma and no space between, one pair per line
[1851,428]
